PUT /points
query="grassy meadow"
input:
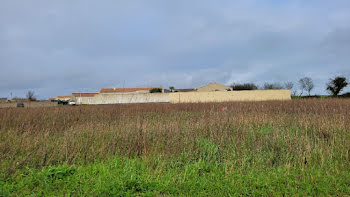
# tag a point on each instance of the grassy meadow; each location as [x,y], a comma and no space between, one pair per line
[275,148]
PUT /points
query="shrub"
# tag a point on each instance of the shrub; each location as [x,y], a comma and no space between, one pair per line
[155,90]
[244,86]
[272,86]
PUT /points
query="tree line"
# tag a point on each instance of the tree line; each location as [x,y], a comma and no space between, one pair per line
[334,86]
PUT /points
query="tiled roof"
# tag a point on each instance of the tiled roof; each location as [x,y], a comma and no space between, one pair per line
[63,97]
[84,94]
[185,90]
[115,90]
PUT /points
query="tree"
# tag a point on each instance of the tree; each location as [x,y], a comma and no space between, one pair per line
[306,84]
[272,86]
[172,88]
[289,85]
[336,85]
[31,95]
[155,90]
[244,86]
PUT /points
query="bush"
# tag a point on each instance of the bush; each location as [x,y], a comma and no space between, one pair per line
[272,86]
[244,86]
[155,90]
[345,95]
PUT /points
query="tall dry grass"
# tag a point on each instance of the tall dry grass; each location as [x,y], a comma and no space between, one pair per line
[297,133]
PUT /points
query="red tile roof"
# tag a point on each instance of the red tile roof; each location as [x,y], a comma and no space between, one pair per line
[84,94]
[63,97]
[115,90]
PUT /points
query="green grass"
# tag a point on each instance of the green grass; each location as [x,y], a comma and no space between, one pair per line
[204,174]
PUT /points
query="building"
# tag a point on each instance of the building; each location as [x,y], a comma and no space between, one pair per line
[3,100]
[185,90]
[126,90]
[63,98]
[83,98]
[214,87]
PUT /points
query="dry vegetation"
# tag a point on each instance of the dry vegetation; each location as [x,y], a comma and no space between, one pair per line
[28,104]
[292,131]
[297,134]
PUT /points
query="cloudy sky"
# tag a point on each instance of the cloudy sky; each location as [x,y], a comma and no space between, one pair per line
[63,46]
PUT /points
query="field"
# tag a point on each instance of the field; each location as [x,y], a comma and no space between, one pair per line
[297,147]
[28,104]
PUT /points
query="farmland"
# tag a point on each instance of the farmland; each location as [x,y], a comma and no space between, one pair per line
[218,149]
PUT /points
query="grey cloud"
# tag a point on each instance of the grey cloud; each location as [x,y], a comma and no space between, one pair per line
[58,47]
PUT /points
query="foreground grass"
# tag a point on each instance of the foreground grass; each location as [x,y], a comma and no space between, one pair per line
[206,175]
[298,147]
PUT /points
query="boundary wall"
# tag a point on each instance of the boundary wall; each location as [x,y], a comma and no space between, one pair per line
[245,95]
[191,97]
[130,98]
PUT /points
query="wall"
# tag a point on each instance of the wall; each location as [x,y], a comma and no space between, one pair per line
[250,95]
[130,98]
[83,99]
[192,97]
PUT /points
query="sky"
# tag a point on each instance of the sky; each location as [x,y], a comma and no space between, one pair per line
[62,46]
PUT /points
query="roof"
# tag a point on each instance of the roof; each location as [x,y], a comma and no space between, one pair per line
[213,87]
[185,90]
[52,99]
[63,97]
[116,90]
[84,94]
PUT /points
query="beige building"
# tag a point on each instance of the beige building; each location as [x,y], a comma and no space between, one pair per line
[126,90]
[213,87]
[83,98]
[63,98]
[3,100]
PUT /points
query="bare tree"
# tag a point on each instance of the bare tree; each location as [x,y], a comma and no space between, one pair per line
[306,84]
[289,85]
[272,86]
[31,95]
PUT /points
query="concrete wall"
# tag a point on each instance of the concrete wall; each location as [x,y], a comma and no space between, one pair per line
[83,100]
[250,95]
[189,97]
[130,98]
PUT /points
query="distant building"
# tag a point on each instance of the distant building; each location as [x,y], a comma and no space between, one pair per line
[213,87]
[3,100]
[83,98]
[126,90]
[63,98]
[185,90]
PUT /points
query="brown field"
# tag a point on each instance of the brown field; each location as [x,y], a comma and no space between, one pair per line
[28,104]
[291,132]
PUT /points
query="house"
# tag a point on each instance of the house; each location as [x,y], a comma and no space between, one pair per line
[63,98]
[213,87]
[126,90]
[83,98]
[185,90]
[3,100]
